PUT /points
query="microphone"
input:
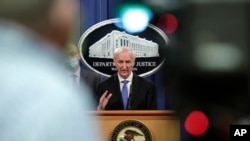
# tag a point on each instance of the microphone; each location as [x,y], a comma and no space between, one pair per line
[129,99]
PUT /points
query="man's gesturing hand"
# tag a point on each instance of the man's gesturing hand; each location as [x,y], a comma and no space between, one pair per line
[104,100]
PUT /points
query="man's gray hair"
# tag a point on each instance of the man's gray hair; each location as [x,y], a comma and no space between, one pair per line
[124,49]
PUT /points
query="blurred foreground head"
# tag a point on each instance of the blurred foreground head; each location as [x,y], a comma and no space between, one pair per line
[36,101]
[209,71]
[53,19]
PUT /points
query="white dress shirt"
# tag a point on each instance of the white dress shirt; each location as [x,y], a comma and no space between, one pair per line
[130,77]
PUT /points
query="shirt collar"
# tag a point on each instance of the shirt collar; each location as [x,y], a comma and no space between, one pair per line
[77,73]
[130,77]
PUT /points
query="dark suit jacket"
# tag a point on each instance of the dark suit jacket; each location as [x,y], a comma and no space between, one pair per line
[142,94]
[90,79]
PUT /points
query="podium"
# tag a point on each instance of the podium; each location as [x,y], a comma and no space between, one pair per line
[163,125]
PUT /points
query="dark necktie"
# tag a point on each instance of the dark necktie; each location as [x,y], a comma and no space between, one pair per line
[125,93]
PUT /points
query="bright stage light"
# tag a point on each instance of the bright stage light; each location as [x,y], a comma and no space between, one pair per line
[135,17]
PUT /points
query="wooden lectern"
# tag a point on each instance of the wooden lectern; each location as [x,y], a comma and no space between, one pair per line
[162,124]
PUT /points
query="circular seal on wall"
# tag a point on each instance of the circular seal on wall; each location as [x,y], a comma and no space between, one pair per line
[97,45]
[131,130]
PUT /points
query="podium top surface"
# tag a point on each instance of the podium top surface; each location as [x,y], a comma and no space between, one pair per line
[134,113]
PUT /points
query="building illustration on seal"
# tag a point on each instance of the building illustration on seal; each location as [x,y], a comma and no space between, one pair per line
[104,48]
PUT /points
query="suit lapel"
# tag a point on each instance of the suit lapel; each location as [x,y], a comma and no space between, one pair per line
[134,92]
[117,89]
[134,83]
[117,85]
[83,77]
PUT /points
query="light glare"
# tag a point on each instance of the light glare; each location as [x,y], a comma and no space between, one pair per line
[134,17]
[135,20]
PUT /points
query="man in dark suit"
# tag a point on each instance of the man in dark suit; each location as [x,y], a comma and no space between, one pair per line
[141,94]
[79,76]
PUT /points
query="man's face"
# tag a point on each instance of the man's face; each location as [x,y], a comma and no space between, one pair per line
[73,52]
[124,63]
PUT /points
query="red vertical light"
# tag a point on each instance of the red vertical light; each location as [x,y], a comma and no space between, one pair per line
[168,23]
[196,123]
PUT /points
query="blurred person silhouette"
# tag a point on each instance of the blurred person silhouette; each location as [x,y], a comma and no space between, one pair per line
[36,103]
[79,76]
[139,93]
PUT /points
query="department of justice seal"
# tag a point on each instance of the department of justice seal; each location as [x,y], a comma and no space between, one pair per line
[131,130]
[97,45]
